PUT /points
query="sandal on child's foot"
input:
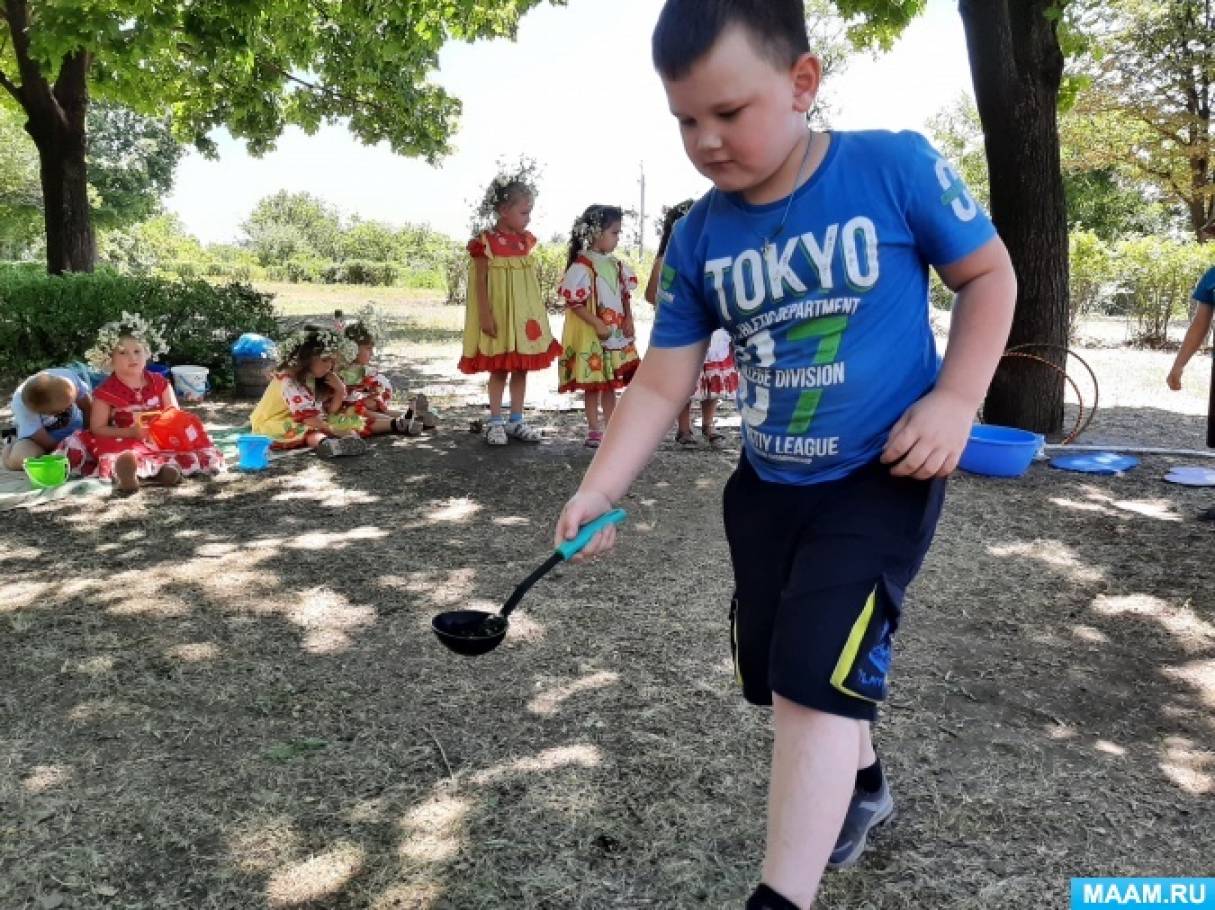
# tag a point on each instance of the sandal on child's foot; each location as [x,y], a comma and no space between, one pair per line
[421,408]
[685,439]
[714,438]
[495,434]
[406,425]
[521,431]
[594,438]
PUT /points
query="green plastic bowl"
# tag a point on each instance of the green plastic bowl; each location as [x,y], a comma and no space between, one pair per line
[47,471]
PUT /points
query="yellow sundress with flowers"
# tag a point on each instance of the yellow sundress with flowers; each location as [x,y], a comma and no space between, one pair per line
[603,285]
[287,403]
[524,340]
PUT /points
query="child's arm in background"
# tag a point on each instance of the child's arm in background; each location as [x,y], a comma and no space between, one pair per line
[44,439]
[928,440]
[651,286]
[602,329]
[337,393]
[1195,335]
[99,424]
[662,385]
[84,401]
[170,397]
[485,308]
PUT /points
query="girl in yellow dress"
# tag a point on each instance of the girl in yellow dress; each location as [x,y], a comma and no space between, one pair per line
[304,405]
[599,355]
[506,331]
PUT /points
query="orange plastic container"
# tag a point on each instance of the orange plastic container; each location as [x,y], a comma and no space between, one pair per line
[177,431]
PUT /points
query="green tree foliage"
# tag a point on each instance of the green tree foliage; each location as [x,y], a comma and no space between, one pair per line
[1147,110]
[20,192]
[1104,200]
[288,225]
[253,66]
[132,161]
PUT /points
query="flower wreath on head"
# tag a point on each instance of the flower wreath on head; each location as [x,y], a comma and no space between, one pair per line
[372,321]
[332,344]
[525,173]
[588,228]
[131,325]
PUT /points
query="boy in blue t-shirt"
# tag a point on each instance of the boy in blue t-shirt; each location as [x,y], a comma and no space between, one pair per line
[812,250]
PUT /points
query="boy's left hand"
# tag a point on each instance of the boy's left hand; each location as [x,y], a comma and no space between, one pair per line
[928,440]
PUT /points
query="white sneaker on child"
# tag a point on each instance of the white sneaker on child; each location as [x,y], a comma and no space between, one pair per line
[522,432]
[495,434]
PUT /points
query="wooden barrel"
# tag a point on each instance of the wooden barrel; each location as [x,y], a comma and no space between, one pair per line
[252,376]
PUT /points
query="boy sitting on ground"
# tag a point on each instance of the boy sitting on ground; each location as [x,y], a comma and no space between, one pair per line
[47,408]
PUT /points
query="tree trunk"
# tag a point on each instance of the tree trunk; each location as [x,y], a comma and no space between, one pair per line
[56,122]
[70,244]
[1017,67]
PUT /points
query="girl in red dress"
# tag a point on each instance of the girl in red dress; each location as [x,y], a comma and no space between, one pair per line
[117,445]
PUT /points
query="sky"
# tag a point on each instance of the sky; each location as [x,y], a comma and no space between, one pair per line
[576,91]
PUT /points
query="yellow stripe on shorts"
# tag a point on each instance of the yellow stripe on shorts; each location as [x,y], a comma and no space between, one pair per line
[848,656]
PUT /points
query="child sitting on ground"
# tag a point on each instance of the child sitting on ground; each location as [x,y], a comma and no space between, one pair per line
[368,390]
[118,443]
[48,407]
[304,405]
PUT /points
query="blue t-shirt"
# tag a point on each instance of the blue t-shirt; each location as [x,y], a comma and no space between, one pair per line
[1204,292]
[830,320]
[59,426]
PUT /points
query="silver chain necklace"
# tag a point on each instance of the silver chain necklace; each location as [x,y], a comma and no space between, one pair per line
[770,241]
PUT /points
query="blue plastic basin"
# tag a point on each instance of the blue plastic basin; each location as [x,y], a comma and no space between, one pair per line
[1000,451]
[253,452]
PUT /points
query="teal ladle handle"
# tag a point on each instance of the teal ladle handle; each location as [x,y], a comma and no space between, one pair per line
[572,548]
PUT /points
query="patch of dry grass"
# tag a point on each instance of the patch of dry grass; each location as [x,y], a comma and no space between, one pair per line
[228,696]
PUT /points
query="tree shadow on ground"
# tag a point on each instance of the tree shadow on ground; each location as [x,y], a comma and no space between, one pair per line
[228,695]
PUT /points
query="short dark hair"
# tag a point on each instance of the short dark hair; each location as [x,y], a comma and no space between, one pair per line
[688,29]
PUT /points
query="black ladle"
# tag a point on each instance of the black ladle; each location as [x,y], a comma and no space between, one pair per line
[473,632]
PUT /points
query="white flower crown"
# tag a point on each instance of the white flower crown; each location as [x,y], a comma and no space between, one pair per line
[332,344]
[131,325]
[374,321]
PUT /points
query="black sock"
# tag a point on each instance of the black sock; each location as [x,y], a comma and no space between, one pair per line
[869,779]
[765,898]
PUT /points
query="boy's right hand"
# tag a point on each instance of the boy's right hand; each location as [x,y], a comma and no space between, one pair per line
[583,508]
[488,325]
[1174,379]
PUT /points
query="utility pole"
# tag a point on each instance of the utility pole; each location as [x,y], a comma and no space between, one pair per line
[641,227]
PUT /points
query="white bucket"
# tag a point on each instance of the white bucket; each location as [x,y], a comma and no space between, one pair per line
[190,382]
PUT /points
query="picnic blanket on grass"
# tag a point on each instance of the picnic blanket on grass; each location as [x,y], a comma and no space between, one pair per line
[16,492]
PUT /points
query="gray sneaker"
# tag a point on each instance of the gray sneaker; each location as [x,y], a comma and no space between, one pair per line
[865,812]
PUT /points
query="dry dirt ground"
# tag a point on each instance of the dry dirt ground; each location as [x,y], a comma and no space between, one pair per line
[228,696]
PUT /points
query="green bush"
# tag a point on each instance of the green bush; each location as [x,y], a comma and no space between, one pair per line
[1158,276]
[361,271]
[455,273]
[21,267]
[52,320]
[429,279]
[1092,276]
